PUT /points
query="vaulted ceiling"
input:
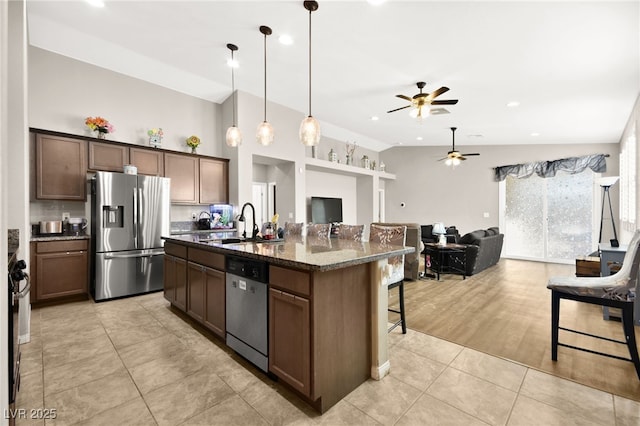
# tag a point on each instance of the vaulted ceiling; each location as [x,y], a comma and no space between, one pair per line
[574,67]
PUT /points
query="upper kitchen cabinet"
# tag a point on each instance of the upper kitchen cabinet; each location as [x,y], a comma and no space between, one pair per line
[184,172]
[148,161]
[60,168]
[197,180]
[107,157]
[112,157]
[214,181]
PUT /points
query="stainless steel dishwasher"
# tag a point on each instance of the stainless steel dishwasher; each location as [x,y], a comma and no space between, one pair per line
[246,307]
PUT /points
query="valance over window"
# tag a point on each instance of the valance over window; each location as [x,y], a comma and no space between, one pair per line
[547,169]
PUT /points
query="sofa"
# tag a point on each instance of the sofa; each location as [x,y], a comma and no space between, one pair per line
[411,260]
[483,249]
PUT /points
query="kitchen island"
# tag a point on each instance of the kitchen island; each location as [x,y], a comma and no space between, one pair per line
[327,305]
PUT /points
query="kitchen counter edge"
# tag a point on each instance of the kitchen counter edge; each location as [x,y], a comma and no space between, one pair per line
[60,238]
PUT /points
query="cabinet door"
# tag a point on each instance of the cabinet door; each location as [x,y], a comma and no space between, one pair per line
[107,157]
[214,181]
[61,274]
[184,173]
[169,278]
[149,162]
[61,168]
[196,290]
[214,314]
[180,300]
[290,340]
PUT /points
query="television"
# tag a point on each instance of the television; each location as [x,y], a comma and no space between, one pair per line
[326,210]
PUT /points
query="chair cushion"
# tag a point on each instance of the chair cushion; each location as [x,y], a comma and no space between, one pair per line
[472,236]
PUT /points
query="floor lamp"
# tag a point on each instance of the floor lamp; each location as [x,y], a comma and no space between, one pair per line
[606,183]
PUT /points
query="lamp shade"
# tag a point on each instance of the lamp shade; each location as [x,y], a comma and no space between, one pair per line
[310,131]
[608,181]
[265,134]
[438,228]
[234,136]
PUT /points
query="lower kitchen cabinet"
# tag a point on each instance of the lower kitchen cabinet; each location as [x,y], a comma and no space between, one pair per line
[290,340]
[61,269]
[175,275]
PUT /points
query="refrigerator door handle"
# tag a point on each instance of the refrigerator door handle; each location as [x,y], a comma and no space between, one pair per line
[135,217]
[126,256]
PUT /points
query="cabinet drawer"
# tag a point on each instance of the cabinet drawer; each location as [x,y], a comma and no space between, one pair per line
[175,250]
[57,246]
[206,258]
[297,282]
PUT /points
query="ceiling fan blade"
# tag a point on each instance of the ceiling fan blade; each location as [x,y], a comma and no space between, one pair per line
[461,158]
[437,111]
[443,158]
[398,109]
[469,155]
[420,95]
[447,102]
[437,93]
[406,98]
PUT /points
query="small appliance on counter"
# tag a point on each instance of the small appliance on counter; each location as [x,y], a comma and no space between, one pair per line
[49,227]
[204,222]
[75,226]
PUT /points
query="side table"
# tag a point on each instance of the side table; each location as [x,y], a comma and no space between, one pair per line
[441,261]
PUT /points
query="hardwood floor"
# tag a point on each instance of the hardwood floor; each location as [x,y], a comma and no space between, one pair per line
[505,311]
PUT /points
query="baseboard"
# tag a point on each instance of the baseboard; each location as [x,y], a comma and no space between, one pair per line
[377,373]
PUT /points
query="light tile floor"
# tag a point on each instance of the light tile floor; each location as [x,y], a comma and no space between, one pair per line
[133,361]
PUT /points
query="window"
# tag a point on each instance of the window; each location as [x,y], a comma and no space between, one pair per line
[628,182]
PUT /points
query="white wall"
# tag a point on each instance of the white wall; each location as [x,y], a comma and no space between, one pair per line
[64,91]
[460,196]
[337,186]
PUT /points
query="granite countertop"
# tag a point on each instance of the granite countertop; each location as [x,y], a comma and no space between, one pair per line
[60,237]
[203,231]
[306,253]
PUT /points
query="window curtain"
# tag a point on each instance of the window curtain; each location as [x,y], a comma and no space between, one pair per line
[546,169]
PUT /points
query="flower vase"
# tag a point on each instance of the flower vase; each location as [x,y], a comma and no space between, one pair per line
[193,150]
[349,161]
[102,135]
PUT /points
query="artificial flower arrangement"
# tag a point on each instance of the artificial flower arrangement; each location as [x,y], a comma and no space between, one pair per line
[155,136]
[193,142]
[100,125]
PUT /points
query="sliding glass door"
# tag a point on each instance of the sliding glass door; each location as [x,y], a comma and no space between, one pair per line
[548,219]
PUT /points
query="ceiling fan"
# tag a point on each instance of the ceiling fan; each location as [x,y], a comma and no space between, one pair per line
[421,102]
[454,157]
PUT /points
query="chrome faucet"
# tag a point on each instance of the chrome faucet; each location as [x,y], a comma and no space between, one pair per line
[254,234]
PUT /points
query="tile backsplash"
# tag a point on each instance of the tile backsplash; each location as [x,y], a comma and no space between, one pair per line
[52,210]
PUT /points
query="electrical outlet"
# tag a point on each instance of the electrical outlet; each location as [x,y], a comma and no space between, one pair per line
[66,215]
[193,216]
[290,215]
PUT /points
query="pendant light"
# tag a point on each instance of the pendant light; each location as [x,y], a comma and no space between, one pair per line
[265,132]
[234,135]
[310,128]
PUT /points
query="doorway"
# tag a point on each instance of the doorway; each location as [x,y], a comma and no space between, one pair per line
[264,200]
[549,219]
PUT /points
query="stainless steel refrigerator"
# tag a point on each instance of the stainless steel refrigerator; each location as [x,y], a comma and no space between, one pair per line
[129,214]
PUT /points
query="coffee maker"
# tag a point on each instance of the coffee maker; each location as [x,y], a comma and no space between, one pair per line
[75,226]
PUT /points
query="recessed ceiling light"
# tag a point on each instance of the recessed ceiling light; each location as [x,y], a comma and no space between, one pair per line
[285,39]
[535,134]
[513,104]
[419,138]
[477,135]
[95,3]
[375,118]
[233,63]
[375,2]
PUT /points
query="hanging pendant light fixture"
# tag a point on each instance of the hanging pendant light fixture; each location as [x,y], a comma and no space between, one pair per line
[310,128]
[265,132]
[234,135]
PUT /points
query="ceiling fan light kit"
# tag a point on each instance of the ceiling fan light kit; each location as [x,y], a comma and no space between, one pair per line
[234,135]
[421,102]
[265,133]
[310,128]
[454,157]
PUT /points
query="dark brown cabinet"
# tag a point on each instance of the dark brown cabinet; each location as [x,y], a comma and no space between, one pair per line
[61,269]
[175,275]
[185,178]
[206,289]
[60,168]
[107,156]
[112,157]
[290,339]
